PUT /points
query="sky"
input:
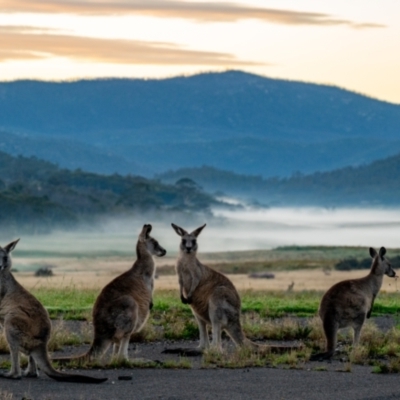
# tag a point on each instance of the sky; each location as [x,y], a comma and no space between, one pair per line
[351,44]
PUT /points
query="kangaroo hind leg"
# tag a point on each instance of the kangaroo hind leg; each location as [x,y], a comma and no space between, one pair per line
[330,329]
[358,324]
[123,348]
[13,340]
[204,341]
[98,349]
[236,333]
[32,369]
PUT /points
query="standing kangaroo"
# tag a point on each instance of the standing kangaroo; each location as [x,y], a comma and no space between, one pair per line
[27,327]
[212,297]
[123,306]
[350,302]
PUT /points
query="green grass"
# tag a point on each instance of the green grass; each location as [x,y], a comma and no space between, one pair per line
[68,302]
[73,303]
[172,320]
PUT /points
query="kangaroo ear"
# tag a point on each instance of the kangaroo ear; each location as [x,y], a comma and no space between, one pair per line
[382,252]
[180,231]
[146,231]
[372,252]
[11,246]
[197,231]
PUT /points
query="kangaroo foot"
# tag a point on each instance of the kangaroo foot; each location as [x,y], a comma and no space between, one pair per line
[29,374]
[10,375]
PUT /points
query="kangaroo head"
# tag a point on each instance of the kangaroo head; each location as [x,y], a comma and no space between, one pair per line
[152,246]
[5,258]
[380,264]
[189,240]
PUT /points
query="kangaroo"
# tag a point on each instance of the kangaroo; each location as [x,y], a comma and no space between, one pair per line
[27,327]
[350,302]
[212,297]
[123,306]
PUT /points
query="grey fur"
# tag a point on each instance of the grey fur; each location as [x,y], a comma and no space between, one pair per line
[212,297]
[27,327]
[123,306]
[349,303]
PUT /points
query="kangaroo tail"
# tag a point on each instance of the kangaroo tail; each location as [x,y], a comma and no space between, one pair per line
[44,364]
[238,336]
[96,349]
[80,359]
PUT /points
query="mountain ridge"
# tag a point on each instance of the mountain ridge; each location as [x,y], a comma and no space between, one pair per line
[129,120]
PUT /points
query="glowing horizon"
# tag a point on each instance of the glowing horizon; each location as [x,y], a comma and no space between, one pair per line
[349,45]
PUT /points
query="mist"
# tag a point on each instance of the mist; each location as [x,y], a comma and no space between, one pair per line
[231,230]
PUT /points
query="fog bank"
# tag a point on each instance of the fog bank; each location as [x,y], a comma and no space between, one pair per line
[228,230]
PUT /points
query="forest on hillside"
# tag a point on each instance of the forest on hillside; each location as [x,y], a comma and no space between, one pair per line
[375,184]
[37,196]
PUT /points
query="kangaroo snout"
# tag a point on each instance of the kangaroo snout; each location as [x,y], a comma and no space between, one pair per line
[162,253]
[188,249]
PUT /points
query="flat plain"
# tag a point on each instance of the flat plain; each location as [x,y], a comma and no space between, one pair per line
[278,310]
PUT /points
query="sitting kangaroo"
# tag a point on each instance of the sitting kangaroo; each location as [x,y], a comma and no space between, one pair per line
[123,306]
[212,297]
[27,327]
[350,302]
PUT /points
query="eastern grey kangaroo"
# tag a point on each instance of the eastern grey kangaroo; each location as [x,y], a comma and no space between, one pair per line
[27,327]
[349,303]
[212,297]
[123,306]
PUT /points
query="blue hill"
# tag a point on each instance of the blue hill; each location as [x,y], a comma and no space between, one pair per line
[233,120]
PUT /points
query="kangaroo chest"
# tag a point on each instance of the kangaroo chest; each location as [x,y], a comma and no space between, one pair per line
[189,273]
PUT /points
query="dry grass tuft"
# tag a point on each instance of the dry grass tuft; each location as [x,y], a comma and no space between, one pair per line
[277,329]
[246,357]
[359,355]
[182,363]
[149,333]
[61,336]
[240,357]
[4,395]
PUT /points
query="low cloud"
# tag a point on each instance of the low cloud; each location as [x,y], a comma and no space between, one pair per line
[198,11]
[30,43]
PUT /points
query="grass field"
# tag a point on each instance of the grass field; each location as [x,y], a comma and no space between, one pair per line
[266,316]
[306,271]
[271,308]
[75,303]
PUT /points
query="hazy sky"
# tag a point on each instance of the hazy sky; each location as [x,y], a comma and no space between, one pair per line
[352,44]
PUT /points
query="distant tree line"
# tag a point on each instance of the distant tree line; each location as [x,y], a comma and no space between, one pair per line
[349,264]
[38,196]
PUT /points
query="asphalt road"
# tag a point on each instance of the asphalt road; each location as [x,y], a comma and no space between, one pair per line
[197,383]
[258,383]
